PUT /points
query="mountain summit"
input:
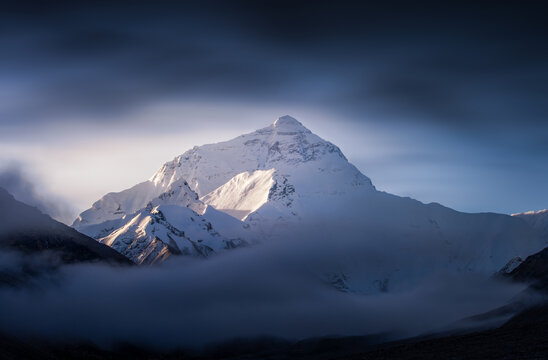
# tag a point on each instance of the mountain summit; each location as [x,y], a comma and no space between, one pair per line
[275,182]
[264,170]
[284,145]
[292,151]
[289,124]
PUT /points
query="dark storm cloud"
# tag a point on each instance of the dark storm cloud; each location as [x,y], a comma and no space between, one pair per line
[81,61]
[471,63]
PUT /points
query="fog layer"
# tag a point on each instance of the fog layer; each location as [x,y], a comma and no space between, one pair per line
[275,289]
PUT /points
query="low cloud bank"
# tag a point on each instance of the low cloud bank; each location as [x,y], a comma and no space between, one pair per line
[274,289]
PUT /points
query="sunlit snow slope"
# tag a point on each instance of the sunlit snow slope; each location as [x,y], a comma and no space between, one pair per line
[243,194]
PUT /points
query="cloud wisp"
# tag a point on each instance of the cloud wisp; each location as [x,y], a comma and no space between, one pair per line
[14,179]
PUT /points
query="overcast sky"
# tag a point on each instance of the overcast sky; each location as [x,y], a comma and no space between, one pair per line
[441,102]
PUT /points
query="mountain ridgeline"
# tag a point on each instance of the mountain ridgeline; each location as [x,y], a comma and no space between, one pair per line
[283,182]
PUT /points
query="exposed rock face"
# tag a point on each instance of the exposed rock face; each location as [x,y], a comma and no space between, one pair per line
[533,269]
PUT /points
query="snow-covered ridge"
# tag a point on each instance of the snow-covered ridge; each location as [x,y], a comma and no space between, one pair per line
[537,219]
[116,205]
[170,224]
[539,213]
[179,193]
[532,212]
[153,234]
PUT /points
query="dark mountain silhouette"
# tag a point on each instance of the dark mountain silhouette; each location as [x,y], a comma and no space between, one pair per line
[32,242]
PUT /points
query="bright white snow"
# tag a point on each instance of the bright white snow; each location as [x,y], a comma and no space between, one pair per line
[243,194]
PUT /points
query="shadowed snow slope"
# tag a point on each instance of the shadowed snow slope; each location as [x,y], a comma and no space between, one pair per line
[282,179]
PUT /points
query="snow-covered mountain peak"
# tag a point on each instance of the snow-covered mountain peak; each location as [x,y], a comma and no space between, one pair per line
[179,193]
[289,124]
[285,145]
[285,182]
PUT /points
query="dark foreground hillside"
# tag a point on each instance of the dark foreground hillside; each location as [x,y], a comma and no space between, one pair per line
[25,229]
[523,337]
[32,244]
